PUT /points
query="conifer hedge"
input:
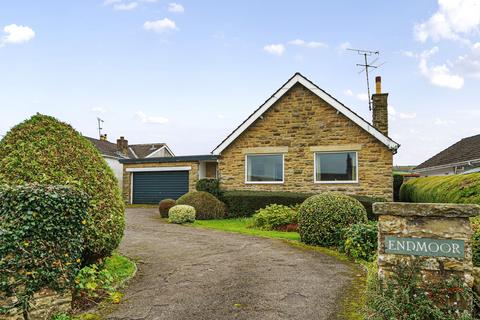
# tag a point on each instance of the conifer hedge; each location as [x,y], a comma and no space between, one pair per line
[46,151]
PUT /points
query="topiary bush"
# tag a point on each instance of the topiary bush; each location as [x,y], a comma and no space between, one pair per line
[211,186]
[47,151]
[206,205]
[274,216]
[359,241]
[41,241]
[181,213]
[164,206]
[322,216]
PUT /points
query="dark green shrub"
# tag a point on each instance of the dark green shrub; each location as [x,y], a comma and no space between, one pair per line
[242,203]
[359,241]
[274,216]
[47,151]
[323,215]
[209,185]
[41,240]
[205,204]
[397,183]
[164,206]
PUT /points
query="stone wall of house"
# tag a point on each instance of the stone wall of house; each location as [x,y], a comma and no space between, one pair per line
[297,124]
[192,176]
[44,305]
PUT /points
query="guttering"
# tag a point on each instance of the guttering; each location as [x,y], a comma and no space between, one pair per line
[448,165]
[205,157]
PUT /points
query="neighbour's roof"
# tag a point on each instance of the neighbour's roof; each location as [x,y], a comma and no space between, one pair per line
[143,150]
[203,157]
[110,149]
[465,150]
[322,94]
[106,148]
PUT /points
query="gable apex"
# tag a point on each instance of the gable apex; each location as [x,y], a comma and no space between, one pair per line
[300,79]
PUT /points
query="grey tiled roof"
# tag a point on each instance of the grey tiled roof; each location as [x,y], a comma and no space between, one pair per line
[110,149]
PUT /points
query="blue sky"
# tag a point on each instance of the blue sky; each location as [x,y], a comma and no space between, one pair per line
[188,72]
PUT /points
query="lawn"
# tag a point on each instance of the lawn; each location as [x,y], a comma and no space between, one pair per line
[240,225]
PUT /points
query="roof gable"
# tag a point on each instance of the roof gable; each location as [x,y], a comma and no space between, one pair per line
[298,78]
[465,150]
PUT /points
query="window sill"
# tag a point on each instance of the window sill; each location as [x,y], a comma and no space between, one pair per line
[336,182]
[264,182]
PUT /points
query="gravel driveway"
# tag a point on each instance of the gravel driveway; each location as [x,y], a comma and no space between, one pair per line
[193,273]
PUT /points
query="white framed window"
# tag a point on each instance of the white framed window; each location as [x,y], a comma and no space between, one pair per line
[336,167]
[264,168]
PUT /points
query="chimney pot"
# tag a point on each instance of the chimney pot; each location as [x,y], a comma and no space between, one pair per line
[378,84]
[380,108]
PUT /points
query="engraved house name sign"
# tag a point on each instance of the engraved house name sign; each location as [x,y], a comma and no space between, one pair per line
[425,247]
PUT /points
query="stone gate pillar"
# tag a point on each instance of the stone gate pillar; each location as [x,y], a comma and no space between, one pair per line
[439,235]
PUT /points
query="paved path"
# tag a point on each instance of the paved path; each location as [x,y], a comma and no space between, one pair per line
[193,273]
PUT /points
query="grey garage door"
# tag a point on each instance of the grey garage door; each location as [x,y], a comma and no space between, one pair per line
[151,187]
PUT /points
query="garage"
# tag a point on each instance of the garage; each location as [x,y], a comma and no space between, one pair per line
[149,187]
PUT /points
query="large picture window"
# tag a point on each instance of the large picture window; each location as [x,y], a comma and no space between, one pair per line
[264,168]
[336,167]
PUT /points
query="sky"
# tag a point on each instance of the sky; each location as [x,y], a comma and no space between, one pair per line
[187,73]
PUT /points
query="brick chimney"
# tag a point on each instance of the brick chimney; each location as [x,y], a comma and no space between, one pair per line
[122,145]
[380,107]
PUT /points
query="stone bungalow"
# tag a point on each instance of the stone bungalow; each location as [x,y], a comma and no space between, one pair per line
[301,139]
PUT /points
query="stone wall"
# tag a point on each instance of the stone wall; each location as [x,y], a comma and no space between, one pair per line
[299,123]
[44,305]
[423,222]
[192,175]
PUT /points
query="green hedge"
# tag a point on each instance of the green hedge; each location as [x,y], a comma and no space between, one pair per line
[41,240]
[397,184]
[245,203]
[47,151]
[462,188]
[209,185]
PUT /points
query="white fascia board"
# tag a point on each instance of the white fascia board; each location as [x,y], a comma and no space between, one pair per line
[321,94]
[151,155]
[133,152]
[153,169]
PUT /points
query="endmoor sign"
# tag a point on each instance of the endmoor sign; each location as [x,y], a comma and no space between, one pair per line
[425,247]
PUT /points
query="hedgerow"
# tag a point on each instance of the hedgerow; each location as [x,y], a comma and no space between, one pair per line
[209,185]
[46,151]
[41,241]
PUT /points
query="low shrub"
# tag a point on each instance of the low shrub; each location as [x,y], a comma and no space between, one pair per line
[242,203]
[41,240]
[164,206]
[205,204]
[274,216]
[211,186]
[321,216]
[359,241]
[181,213]
[397,183]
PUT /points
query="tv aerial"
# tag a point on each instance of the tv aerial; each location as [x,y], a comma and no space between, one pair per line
[366,65]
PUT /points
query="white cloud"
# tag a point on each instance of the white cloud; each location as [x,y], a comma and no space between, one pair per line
[453,20]
[470,63]
[439,75]
[125,6]
[175,7]
[362,97]
[344,46]
[310,44]
[110,2]
[99,110]
[348,92]
[275,49]
[16,34]
[160,26]
[391,111]
[403,115]
[142,117]
[442,122]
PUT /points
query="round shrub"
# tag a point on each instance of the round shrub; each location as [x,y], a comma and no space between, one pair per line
[321,217]
[164,206]
[46,151]
[360,240]
[209,185]
[205,204]
[181,213]
[274,216]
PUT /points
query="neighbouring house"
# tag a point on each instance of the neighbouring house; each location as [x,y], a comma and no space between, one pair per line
[461,157]
[301,139]
[114,152]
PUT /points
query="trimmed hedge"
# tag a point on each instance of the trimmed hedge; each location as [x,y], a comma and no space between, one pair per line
[211,186]
[242,203]
[46,151]
[462,188]
[181,213]
[164,206]
[205,204]
[41,240]
[322,217]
